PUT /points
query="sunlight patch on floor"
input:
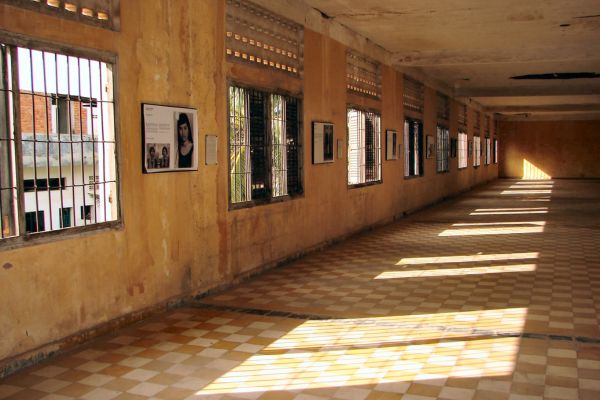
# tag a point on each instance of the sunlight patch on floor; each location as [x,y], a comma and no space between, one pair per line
[467,258]
[368,351]
[495,269]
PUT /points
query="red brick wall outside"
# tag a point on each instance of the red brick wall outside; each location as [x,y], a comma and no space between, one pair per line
[43,115]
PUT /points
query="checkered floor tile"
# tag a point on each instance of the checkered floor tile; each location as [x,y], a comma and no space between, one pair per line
[494,295]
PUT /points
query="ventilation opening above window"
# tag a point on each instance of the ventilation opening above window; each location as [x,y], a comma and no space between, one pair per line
[363,75]
[101,13]
[259,37]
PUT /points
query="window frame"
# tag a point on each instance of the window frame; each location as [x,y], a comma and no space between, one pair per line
[13,42]
[268,92]
[377,147]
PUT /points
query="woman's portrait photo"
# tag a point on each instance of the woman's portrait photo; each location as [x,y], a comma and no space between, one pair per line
[185,141]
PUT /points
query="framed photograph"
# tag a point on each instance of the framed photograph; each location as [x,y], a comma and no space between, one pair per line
[429,146]
[322,135]
[453,147]
[391,140]
[169,138]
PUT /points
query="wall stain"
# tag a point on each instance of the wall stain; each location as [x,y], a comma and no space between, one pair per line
[7,266]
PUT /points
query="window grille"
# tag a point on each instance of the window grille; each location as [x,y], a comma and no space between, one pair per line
[257,36]
[101,13]
[363,75]
[263,145]
[414,95]
[443,107]
[462,116]
[413,147]
[443,149]
[476,151]
[477,122]
[495,151]
[364,147]
[59,133]
[488,151]
[463,154]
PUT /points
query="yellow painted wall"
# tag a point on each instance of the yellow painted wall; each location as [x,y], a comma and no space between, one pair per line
[556,149]
[179,237]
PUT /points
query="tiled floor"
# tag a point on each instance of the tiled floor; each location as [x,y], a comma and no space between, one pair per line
[495,295]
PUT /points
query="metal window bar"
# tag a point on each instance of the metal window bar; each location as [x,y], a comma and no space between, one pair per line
[355,146]
[239,145]
[476,151]
[278,146]
[462,150]
[413,148]
[443,149]
[8,185]
[293,145]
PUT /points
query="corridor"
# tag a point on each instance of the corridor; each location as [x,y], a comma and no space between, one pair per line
[492,295]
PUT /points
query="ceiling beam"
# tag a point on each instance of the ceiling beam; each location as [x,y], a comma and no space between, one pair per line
[549,90]
[543,108]
[456,57]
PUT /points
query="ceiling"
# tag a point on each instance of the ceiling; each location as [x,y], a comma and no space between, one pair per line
[476,46]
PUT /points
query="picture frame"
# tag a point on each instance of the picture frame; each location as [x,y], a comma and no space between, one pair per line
[429,146]
[322,141]
[391,141]
[470,148]
[169,138]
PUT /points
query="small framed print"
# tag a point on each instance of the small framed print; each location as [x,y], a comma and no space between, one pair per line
[169,139]
[340,149]
[391,139]
[322,135]
[469,148]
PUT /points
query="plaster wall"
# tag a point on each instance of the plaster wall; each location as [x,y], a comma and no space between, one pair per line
[556,149]
[178,236]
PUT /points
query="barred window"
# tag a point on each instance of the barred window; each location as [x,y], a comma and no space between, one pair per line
[476,151]
[488,151]
[495,151]
[463,154]
[413,147]
[57,129]
[264,148]
[443,149]
[364,147]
